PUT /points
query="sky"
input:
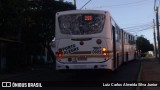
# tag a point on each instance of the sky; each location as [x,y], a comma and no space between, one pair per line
[134,16]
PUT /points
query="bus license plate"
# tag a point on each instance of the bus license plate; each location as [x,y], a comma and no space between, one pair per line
[82,58]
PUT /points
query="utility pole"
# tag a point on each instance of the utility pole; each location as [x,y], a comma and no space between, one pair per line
[155,44]
[74,1]
[158,39]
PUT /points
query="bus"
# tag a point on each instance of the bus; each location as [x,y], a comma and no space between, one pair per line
[91,39]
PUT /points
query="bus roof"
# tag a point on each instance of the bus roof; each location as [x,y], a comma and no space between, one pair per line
[82,11]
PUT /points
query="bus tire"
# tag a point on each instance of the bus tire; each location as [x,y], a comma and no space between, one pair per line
[117,60]
[126,56]
[114,64]
[135,57]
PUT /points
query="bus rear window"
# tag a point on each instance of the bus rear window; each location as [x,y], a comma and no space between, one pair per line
[81,24]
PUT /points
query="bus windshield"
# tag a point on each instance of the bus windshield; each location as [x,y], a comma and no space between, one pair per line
[81,24]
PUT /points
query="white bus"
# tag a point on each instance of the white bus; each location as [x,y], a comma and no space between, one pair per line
[90,39]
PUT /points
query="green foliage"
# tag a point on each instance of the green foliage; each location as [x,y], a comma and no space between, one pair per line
[144,45]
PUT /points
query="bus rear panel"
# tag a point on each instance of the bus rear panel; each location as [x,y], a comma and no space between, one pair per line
[82,45]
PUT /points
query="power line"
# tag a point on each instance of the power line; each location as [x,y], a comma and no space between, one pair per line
[144,25]
[132,3]
[138,26]
[140,29]
[85,4]
[128,3]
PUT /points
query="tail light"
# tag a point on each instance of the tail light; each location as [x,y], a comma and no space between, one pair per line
[104,51]
[99,41]
[60,53]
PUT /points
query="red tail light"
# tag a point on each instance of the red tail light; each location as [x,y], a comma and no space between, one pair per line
[60,55]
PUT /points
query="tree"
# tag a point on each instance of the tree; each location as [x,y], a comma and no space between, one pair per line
[40,23]
[144,45]
[31,22]
[11,18]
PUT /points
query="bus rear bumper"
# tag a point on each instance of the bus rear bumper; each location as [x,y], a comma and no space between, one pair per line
[60,66]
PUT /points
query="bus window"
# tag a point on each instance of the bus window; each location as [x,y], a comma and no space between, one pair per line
[126,38]
[81,24]
[113,28]
[118,35]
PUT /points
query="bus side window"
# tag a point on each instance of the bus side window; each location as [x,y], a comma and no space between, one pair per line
[124,36]
[113,29]
[117,35]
